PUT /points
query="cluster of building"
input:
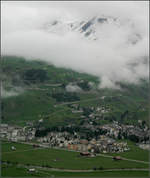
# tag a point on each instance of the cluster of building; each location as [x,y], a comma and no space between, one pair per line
[15,133]
[96,111]
[123,131]
[145,146]
[102,143]
[111,130]
[67,141]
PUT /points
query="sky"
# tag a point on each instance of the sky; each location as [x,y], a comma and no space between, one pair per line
[23,32]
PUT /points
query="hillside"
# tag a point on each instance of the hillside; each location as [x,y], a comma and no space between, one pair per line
[34,90]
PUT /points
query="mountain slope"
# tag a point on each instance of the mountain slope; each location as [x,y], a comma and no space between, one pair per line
[42,93]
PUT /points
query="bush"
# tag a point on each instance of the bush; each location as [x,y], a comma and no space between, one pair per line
[94,168]
[8,162]
[84,85]
[65,97]
[35,75]
[49,166]
[100,168]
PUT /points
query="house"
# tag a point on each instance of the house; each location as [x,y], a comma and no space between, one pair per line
[13,148]
[84,142]
[35,146]
[117,158]
[3,133]
[21,138]
[4,125]
[13,139]
[31,170]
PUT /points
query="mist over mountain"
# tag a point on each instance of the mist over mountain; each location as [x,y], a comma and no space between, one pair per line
[106,39]
[12,92]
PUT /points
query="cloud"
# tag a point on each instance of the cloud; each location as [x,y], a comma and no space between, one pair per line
[119,43]
[73,88]
[11,92]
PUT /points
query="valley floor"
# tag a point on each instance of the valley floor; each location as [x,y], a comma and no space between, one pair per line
[48,162]
[13,171]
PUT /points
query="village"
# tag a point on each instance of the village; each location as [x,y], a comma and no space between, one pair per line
[65,140]
[103,143]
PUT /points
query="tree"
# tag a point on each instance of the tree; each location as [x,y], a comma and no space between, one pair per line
[65,97]
[119,135]
[84,85]
[134,138]
[34,75]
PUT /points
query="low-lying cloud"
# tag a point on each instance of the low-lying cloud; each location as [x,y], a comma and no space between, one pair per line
[73,88]
[15,91]
[119,43]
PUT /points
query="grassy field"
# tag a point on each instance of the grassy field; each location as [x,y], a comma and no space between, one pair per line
[100,174]
[6,147]
[61,159]
[134,153]
[21,109]
[14,171]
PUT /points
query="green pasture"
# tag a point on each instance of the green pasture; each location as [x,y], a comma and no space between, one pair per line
[135,153]
[61,159]
[16,171]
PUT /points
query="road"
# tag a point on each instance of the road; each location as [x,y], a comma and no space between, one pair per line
[126,159]
[42,169]
[47,147]
[74,102]
[81,101]
[10,152]
[44,89]
[79,170]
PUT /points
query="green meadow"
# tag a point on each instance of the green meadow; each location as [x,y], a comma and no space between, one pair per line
[14,171]
[38,93]
[135,153]
[61,159]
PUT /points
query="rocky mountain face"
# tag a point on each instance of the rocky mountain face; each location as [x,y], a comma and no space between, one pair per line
[94,28]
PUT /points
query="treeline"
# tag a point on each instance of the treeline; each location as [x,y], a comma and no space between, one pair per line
[133,137]
[83,132]
[88,134]
[35,75]
[84,85]
[65,97]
